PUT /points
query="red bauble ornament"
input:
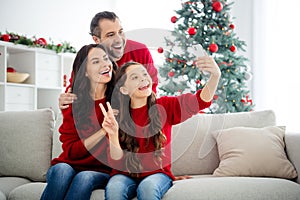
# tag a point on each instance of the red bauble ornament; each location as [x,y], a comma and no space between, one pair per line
[192,31]
[232,48]
[171,74]
[198,81]
[174,19]
[160,50]
[217,6]
[5,37]
[231,26]
[213,47]
[41,41]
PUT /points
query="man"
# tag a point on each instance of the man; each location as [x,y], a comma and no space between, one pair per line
[106,29]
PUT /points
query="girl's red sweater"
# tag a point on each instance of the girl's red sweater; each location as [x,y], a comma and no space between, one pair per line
[172,110]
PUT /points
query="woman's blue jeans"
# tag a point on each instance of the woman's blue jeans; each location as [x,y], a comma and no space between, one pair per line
[63,182]
[121,187]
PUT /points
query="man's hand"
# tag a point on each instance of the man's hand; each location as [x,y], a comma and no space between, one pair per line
[65,99]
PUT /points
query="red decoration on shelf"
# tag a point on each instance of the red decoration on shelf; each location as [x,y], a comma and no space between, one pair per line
[65,80]
[5,37]
[10,69]
[192,31]
[198,81]
[213,47]
[171,74]
[160,50]
[41,41]
[233,48]
[217,6]
[174,19]
[231,26]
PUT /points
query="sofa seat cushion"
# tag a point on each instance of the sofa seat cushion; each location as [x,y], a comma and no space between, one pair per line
[231,188]
[7,184]
[32,191]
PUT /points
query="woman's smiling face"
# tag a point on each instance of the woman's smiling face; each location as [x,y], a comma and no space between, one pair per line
[99,67]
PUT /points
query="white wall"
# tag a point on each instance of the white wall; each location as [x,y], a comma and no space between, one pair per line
[69,20]
[61,20]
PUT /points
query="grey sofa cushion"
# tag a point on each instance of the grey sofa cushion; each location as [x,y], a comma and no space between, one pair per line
[2,196]
[31,132]
[32,191]
[7,184]
[194,149]
[234,188]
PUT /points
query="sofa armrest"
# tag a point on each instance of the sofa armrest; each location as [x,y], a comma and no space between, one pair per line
[292,141]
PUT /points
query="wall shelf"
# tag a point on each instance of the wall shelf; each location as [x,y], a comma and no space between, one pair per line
[45,83]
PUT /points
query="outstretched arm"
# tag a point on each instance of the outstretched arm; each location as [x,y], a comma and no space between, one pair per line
[208,64]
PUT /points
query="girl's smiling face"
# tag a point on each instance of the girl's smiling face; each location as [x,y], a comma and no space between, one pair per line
[99,67]
[138,83]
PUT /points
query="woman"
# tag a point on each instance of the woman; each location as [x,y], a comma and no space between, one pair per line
[82,166]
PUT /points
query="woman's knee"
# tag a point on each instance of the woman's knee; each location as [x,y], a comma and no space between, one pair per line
[61,171]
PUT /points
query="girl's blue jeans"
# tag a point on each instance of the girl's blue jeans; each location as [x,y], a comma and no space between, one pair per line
[121,187]
[63,182]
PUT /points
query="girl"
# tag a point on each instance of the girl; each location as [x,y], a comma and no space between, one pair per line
[81,167]
[142,166]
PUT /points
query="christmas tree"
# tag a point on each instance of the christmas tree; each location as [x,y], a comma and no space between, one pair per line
[206,22]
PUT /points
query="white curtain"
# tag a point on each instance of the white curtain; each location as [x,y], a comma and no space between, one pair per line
[276,69]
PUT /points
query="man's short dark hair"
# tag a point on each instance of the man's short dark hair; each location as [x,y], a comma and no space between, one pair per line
[94,28]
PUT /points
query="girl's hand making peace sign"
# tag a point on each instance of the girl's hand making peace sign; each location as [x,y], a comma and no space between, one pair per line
[109,124]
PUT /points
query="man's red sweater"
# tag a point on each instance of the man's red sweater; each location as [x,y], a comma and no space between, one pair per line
[74,152]
[138,52]
[172,110]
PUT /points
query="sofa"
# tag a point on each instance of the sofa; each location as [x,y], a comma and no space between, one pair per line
[29,140]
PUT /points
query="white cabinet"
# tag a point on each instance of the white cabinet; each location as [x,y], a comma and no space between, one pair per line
[48,71]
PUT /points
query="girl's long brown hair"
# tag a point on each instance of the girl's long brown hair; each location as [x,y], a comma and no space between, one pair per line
[127,126]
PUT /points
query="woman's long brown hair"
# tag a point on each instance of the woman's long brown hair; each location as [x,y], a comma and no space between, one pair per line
[84,104]
[127,126]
